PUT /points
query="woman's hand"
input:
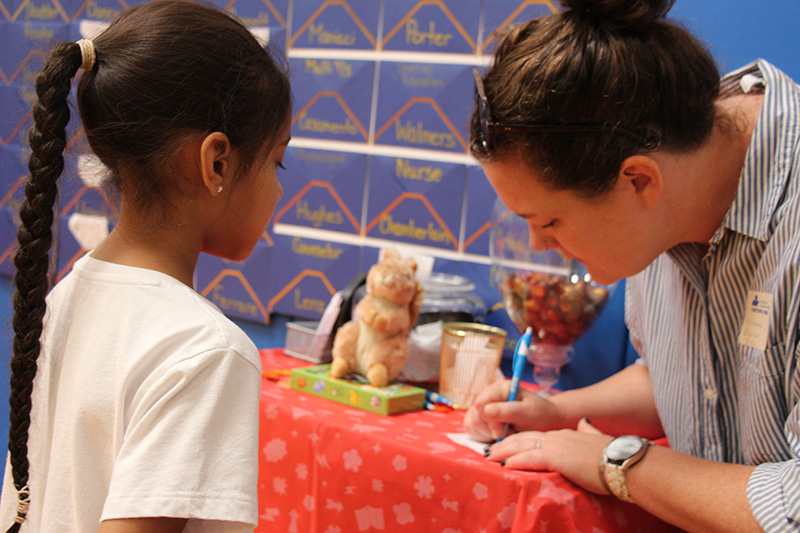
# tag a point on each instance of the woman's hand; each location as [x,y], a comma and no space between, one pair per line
[575,454]
[484,420]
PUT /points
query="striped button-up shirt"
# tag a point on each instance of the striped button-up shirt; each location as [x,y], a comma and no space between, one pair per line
[718,326]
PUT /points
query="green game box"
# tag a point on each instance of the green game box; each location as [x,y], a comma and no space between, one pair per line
[394,398]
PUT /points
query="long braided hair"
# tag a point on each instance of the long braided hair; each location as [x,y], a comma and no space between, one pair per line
[48,139]
[163,70]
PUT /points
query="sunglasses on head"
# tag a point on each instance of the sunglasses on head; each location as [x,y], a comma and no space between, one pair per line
[488,128]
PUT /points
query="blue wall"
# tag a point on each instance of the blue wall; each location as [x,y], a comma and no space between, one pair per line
[739,31]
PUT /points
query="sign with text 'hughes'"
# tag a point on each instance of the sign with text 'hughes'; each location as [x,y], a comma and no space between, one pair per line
[322,189]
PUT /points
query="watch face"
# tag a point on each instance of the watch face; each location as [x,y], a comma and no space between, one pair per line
[622,448]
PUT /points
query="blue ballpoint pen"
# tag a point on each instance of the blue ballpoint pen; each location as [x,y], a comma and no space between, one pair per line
[517,366]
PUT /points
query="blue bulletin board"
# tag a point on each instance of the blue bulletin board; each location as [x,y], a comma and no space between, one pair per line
[379,156]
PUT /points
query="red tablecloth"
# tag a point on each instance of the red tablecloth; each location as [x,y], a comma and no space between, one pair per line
[328,468]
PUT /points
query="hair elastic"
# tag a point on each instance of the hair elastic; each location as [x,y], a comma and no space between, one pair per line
[23,504]
[87,54]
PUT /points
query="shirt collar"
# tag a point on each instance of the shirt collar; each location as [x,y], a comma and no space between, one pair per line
[769,156]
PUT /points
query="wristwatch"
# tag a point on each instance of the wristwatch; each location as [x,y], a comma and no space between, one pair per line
[620,455]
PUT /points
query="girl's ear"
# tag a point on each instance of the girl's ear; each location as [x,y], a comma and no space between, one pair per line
[642,176]
[216,164]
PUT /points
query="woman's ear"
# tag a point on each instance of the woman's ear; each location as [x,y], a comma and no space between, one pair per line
[216,162]
[642,176]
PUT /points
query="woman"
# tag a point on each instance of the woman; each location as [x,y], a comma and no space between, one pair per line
[609,130]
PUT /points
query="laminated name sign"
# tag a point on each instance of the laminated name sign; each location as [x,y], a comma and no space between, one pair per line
[477,217]
[13,173]
[504,15]
[98,10]
[332,98]
[444,26]
[389,400]
[260,13]
[8,240]
[305,273]
[15,116]
[415,202]
[422,105]
[323,189]
[239,288]
[342,24]
[36,11]
[26,41]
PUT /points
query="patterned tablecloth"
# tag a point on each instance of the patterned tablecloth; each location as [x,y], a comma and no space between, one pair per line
[329,468]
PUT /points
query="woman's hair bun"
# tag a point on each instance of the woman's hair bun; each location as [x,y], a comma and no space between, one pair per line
[631,15]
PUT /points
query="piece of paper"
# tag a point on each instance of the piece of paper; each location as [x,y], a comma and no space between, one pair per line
[465,440]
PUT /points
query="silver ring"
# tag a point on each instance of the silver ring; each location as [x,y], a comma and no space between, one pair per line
[539,444]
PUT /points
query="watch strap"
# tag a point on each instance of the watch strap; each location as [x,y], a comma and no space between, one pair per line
[614,475]
[616,482]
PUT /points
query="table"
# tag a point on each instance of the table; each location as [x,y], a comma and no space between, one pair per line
[326,467]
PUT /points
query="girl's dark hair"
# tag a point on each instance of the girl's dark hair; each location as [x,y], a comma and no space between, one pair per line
[615,63]
[164,70]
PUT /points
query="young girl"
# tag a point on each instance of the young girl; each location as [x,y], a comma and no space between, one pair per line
[134,401]
[607,128]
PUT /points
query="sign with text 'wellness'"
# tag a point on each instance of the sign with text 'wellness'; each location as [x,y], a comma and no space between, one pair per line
[424,105]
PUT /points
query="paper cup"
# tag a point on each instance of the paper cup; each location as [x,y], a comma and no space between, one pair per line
[469,361]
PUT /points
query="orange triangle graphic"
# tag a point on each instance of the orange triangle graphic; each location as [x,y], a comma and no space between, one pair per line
[324,185]
[436,108]
[10,79]
[428,206]
[341,103]
[446,12]
[322,8]
[292,284]
[245,284]
[506,23]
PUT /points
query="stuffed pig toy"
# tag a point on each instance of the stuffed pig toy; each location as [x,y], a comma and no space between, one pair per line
[375,343]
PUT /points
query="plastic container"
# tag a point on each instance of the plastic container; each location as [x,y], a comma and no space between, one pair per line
[450,298]
[303,342]
[447,298]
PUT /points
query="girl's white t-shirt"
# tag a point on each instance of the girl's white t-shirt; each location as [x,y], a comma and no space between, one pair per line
[145,404]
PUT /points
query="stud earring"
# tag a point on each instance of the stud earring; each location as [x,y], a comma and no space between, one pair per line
[219,189]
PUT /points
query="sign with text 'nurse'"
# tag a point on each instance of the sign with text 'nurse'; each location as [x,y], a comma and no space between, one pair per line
[416,202]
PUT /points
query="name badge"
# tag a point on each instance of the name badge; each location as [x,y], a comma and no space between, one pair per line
[758,310]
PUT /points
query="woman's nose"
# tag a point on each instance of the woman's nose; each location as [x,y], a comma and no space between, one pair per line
[539,241]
